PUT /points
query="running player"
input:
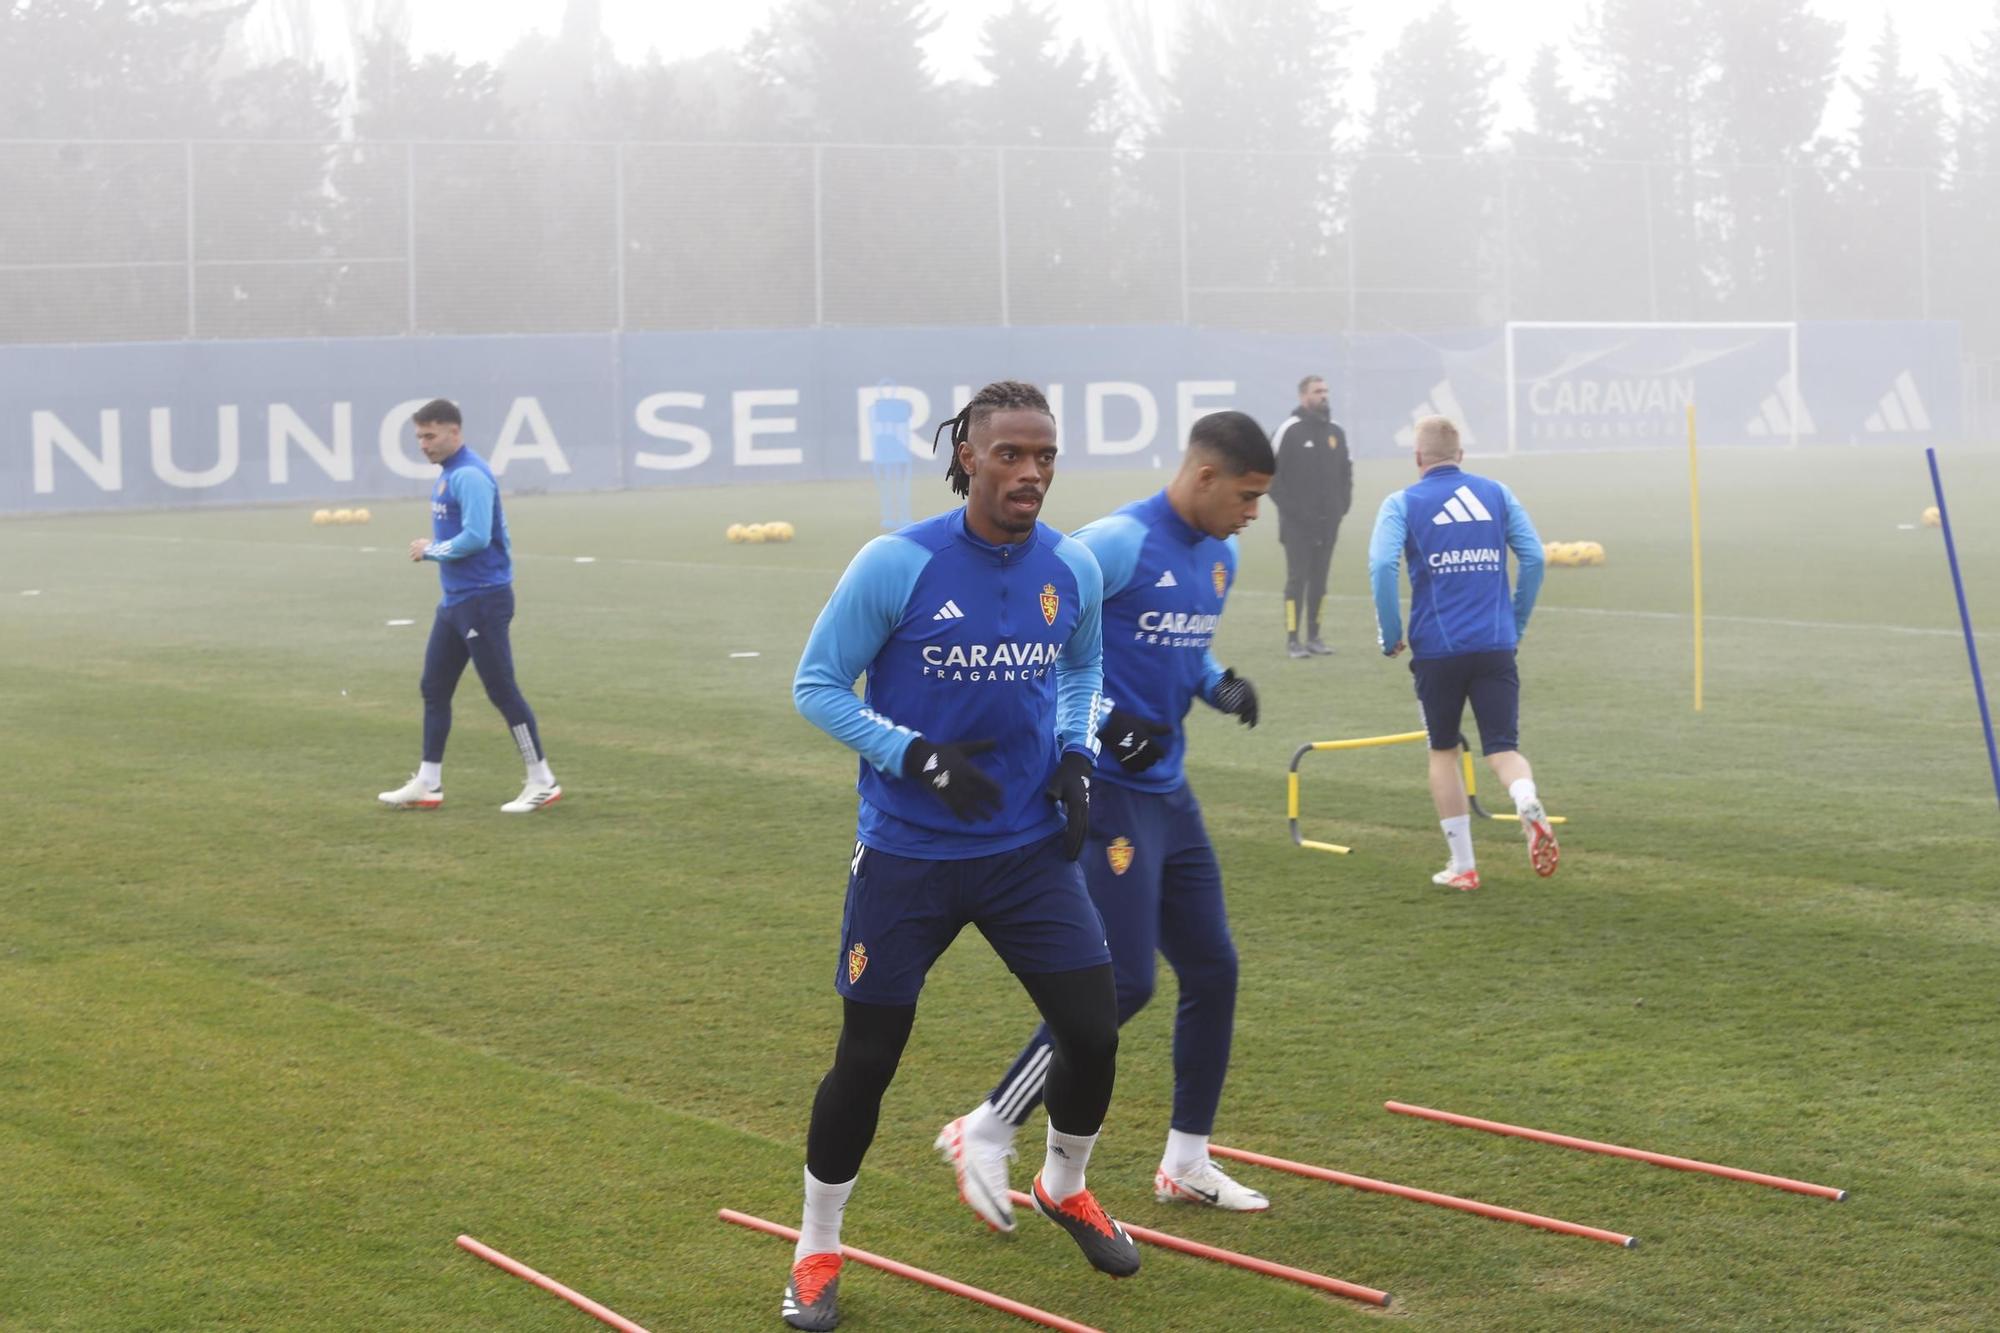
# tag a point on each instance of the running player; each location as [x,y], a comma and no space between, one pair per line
[1169,562]
[980,634]
[1456,529]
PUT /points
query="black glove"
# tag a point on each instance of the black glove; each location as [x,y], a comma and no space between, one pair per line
[1133,741]
[953,778]
[1233,694]
[1071,786]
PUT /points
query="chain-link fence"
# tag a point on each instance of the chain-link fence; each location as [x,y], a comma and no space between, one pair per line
[113,241]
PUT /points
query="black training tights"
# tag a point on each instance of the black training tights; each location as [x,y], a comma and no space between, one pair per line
[1081,1009]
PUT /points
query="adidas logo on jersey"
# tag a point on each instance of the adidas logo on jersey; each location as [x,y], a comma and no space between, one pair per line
[1463,507]
[949,611]
[1167,580]
[1902,408]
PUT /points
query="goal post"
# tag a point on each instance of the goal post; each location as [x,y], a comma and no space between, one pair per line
[1582,385]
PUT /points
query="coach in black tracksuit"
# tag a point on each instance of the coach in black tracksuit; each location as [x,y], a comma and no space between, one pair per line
[1312,488]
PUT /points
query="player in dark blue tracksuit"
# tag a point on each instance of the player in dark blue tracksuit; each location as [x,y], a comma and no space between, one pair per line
[475,566]
[980,633]
[1169,562]
[1456,529]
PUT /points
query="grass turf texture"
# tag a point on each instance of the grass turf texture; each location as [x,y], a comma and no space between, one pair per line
[271,1047]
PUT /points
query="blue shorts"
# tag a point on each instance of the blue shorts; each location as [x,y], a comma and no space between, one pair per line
[1153,875]
[1492,685]
[902,914]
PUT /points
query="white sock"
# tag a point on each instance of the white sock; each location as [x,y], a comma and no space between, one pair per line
[819,1232]
[539,774]
[1184,1152]
[1062,1169]
[1523,792]
[987,1125]
[1458,837]
[431,775]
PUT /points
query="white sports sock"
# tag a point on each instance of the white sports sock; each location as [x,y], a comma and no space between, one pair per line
[819,1232]
[1458,837]
[1523,792]
[539,774]
[988,1126]
[1062,1169]
[1184,1152]
[431,775]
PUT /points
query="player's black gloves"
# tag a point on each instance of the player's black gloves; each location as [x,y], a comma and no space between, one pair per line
[1233,694]
[1071,786]
[1133,741]
[953,778]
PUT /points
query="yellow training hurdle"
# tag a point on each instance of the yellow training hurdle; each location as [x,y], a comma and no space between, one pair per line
[1364,743]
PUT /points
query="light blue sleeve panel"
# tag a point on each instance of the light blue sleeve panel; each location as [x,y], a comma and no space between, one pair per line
[1527,546]
[1080,665]
[1116,541]
[1213,671]
[475,493]
[1385,558]
[858,619]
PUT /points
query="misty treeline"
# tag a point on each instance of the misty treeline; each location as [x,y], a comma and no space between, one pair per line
[1671,165]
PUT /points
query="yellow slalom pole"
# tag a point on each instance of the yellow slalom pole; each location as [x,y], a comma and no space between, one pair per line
[1694,504]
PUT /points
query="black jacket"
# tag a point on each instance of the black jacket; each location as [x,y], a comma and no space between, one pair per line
[1314,484]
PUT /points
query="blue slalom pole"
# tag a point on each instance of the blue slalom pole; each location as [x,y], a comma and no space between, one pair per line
[1965,620]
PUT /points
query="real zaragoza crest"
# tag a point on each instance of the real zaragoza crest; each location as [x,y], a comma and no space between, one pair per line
[1220,576]
[1050,602]
[857,962]
[1119,854]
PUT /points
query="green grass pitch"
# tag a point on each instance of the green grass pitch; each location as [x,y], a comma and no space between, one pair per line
[268,1047]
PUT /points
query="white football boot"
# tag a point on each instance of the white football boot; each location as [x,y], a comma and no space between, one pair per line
[534,797]
[1207,1184]
[981,1168]
[412,795]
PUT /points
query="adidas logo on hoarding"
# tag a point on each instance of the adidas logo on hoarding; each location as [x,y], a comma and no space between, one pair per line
[1167,580]
[1463,507]
[1774,414]
[1442,402]
[949,611]
[1902,408]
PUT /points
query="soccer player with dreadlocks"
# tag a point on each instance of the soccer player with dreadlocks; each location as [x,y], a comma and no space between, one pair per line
[1169,562]
[979,632]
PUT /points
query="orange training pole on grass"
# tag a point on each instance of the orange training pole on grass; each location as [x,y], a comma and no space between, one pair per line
[1427,1196]
[550,1285]
[1352,1290]
[971,1293]
[1613,1150]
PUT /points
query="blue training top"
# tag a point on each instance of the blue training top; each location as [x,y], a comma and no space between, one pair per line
[1164,585]
[1456,529]
[468,529]
[961,640]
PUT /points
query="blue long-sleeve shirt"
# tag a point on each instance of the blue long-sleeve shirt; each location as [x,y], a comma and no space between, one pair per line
[1164,585]
[1455,529]
[960,640]
[468,529]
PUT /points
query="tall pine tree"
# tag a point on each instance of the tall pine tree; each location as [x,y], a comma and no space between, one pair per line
[1255,102]
[1425,198]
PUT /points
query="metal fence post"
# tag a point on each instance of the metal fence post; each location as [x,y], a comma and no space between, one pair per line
[1185,317]
[1924,244]
[618,226]
[410,235]
[819,241]
[1000,211]
[187,167]
[1792,239]
[1652,266]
